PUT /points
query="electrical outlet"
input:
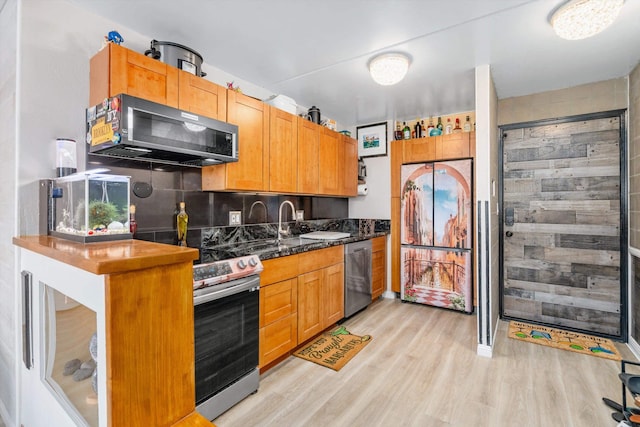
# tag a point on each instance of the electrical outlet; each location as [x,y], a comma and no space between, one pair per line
[235,217]
[299,215]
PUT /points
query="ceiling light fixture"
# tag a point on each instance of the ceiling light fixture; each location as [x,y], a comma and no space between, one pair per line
[579,19]
[389,68]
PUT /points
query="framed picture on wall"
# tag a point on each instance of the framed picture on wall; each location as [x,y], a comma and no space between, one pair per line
[372,140]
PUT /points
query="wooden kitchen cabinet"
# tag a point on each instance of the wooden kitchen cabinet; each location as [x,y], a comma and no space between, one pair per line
[283,151]
[453,146]
[202,97]
[251,171]
[329,162]
[349,165]
[308,156]
[116,69]
[419,149]
[278,320]
[320,291]
[278,308]
[378,266]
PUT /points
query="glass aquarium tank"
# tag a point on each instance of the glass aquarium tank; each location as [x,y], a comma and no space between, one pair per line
[91,207]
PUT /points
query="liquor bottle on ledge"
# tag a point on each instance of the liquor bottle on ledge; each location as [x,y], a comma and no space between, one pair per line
[398,133]
[467,125]
[457,128]
[406,131]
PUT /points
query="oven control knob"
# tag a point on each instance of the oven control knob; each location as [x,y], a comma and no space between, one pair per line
[241,264]
[252,262]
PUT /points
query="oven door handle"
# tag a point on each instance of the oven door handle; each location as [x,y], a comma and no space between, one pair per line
[211,294]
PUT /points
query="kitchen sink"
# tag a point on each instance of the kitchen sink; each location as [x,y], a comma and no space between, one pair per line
[273,245]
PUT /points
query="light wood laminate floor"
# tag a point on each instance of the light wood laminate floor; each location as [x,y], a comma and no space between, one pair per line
[421,369]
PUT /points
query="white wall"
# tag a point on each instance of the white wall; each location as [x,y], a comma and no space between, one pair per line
[377,203]
[8,335]
[486,181]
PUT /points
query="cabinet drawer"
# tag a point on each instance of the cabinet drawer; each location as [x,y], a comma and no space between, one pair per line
[279,269]
[277,339]
[278,301]
[321,258]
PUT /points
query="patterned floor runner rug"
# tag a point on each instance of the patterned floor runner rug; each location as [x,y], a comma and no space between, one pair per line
[333,349]
[565,340]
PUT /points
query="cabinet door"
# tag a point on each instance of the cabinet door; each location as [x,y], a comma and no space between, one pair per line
[116,70]
[308,156]
[420,149]
[278,320]
[283,151]
[330,153]
[453,146]
[201,96]
[251,171]
[333,294]
[349,165]
[378,267]
[310,315]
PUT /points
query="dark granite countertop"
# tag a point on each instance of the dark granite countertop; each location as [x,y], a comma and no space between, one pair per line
[270,248]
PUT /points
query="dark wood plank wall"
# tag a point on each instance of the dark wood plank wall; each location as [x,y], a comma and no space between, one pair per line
[562,263]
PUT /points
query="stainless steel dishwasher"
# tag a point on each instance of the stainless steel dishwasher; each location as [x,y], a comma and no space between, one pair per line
[357,276]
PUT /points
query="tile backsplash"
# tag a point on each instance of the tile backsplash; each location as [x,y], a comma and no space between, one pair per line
[156,212]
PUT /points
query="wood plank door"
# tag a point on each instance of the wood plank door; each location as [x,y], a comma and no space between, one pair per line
[563,234]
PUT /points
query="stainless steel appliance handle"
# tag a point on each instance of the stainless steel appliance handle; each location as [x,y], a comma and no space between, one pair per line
[27,320]
[213,293]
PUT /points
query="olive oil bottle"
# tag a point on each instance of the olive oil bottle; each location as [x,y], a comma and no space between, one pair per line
[182,219]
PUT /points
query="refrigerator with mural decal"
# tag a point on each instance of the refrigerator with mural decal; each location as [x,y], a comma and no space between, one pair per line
[436,231]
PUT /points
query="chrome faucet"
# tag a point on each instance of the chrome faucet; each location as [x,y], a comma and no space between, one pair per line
[258,202]
[281,231]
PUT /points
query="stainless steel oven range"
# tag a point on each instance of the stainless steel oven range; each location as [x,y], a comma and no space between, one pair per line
[226,309]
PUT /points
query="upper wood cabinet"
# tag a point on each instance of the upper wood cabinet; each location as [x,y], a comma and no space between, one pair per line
[419,149]
[251,172]
[329,161]
[201,96]
[115,70]
[308,156]
[349,165]
[453,146]
[283,151]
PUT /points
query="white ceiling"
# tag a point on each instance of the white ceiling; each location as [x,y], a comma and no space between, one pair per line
[316,52]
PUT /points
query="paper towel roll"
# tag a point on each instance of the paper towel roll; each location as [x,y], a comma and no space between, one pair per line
[362,189]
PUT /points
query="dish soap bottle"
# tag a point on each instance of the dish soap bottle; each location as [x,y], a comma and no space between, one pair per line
[182,219]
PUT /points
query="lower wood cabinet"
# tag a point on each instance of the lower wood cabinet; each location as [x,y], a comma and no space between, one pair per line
[278,319]
[320,291]
[378,266]
[278,308]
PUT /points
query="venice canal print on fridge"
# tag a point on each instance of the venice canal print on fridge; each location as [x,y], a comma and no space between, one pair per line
[436,268]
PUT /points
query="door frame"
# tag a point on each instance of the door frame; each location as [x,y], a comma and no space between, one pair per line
[624,216]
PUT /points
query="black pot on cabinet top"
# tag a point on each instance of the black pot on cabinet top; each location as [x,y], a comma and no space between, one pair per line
[314,114]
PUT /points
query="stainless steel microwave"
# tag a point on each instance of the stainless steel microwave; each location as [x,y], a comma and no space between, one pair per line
[128,127]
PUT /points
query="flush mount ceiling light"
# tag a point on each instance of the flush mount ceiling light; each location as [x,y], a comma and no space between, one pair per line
[579,19]
[389,68]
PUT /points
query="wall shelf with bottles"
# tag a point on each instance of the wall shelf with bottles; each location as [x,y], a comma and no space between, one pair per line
[436,126]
